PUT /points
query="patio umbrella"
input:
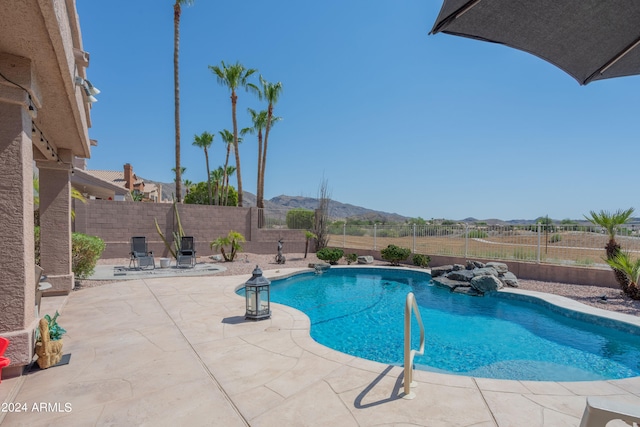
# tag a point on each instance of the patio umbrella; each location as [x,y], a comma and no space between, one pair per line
[588,39]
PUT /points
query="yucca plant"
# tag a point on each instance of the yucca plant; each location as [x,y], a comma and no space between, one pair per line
[623,263]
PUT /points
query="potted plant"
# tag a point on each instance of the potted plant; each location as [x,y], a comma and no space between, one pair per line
[49,341]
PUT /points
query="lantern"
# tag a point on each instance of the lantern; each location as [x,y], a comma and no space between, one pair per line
[256,292]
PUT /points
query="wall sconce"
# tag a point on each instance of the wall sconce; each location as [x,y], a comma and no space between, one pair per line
[88,88]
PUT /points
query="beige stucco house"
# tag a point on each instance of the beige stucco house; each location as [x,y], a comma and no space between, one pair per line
[125,181]
[44,117]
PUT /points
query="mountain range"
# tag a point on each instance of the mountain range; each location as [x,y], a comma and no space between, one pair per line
[340,211]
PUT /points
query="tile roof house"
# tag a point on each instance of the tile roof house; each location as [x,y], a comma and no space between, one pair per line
[113,185]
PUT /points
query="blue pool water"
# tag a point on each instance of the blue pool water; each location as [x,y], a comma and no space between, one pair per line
[360,312]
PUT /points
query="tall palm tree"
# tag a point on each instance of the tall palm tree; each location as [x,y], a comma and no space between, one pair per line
[259,121]
[177,10]
[216,180]
[177,174]
[235,76]
[204,141]
[227,138]
[271,92]
[610,222]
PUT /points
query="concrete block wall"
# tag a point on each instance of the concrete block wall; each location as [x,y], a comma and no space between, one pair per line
[117,222]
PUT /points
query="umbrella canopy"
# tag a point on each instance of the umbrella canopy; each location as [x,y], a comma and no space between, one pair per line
[589,39]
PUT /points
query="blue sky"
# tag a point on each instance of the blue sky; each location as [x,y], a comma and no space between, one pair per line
[393,119]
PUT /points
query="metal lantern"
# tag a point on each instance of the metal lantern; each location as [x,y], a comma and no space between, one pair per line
[256,292]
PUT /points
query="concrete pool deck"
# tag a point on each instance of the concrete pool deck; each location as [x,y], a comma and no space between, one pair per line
[178,351]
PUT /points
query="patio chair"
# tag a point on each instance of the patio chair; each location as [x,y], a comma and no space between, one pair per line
[4,361]
[187,252]
[141,257]
[599,411]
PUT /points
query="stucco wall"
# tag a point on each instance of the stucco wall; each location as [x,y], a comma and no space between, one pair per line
[117,222]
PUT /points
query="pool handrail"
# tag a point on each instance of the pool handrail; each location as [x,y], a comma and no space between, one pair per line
[409,354]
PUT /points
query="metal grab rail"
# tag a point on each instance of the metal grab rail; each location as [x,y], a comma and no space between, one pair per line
[409,354]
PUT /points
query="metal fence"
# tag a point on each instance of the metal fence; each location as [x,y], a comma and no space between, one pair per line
[567,245]
[286,218]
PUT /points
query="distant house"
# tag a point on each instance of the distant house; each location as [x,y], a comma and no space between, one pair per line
[113,185]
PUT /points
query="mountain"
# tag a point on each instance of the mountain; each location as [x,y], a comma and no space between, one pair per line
[337,210]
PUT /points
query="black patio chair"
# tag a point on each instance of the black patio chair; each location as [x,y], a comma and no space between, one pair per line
[141,257]
[187,253]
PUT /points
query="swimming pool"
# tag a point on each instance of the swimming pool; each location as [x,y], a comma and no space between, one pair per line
[360,311]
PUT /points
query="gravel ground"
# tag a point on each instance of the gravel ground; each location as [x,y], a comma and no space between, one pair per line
[246,262]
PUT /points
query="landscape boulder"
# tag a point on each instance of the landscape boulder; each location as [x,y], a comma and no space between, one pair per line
[365,259]
[484,283]
[475,278]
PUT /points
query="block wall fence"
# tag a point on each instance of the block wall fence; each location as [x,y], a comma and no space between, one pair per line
[117,222]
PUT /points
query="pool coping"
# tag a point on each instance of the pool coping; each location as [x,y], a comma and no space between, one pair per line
[167,350]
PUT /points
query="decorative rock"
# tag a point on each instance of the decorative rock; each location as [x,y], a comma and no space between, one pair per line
[458,267]
[441,271]
[474,264]
[486,283]
[461,275]
[486,271]
[451,284]
[365,259]
[499,266]
[320,266]
[509,279]
[467,290]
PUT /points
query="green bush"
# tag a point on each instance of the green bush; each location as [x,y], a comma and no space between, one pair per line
[386,232]
[421,260]
[300,219]
[394,254]
[555,238]
[85,252]
[331,255]
[351,258]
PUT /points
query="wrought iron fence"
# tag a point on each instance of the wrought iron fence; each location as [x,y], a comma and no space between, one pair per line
[569,245]
[286,218]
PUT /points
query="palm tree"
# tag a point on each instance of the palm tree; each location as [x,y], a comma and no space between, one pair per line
[216,179]
[178,174]
[177,10]
[610,222]
[259,123]
[228,172]
[233,239]
[622,262]
[227,138]
[270,92]
[204,141]
[235,76]
[188,185]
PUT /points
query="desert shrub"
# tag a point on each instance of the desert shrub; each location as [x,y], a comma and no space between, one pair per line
[351,258]
[477,234]
[394,254]
[386,232]
[300,219]
[421,260]
[331,255]
[354,230]
[555,238]
[85,252]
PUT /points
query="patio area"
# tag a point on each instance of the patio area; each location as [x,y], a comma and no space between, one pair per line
[177,351]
